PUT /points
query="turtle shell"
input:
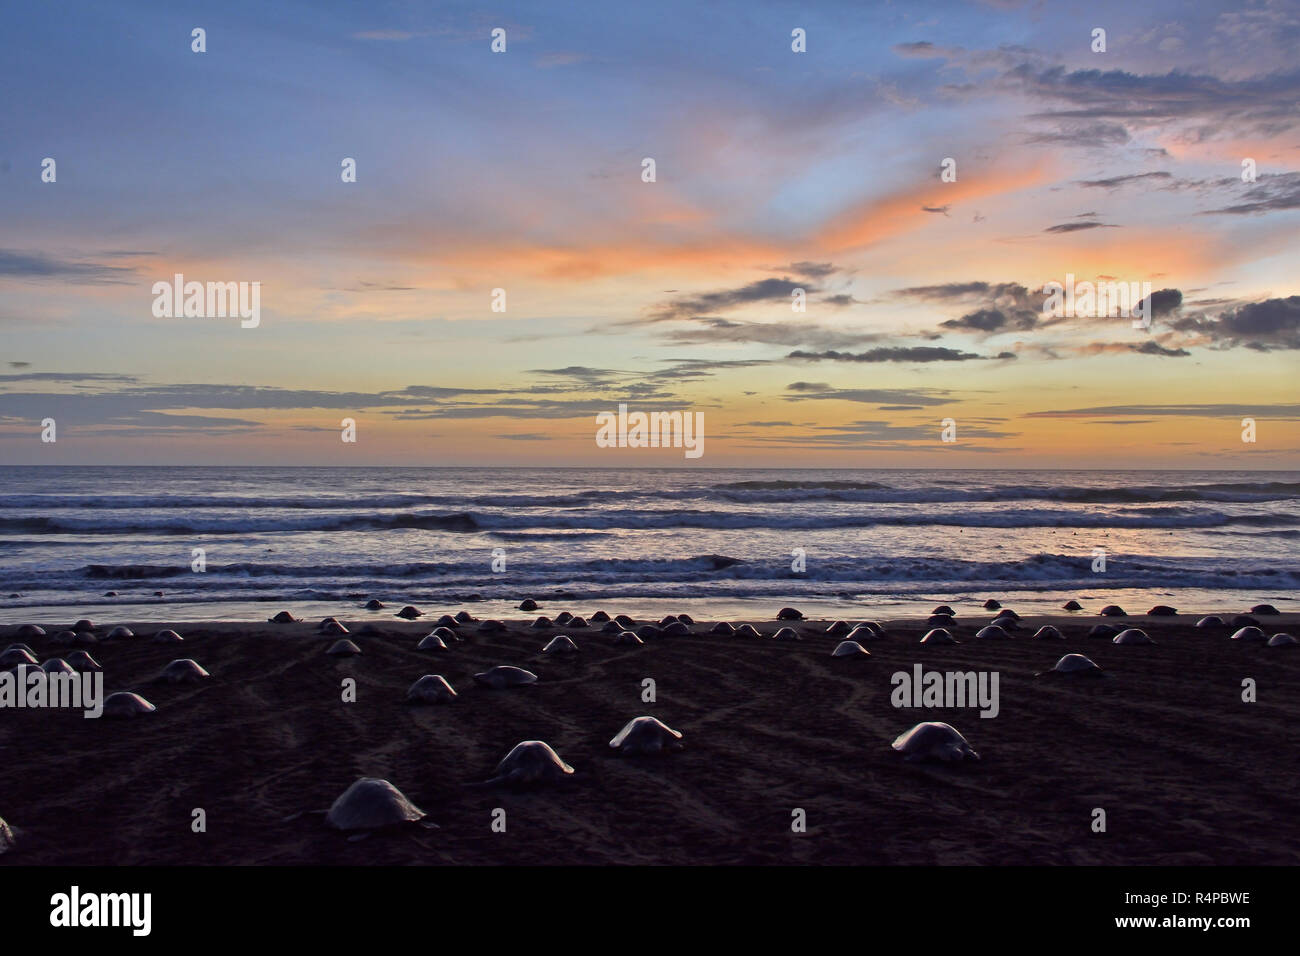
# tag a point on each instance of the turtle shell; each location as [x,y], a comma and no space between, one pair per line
[431,689]
[369,804]
[126,704]
[646,735]
[934,740]
[850,649]
[505,675]
[560,644]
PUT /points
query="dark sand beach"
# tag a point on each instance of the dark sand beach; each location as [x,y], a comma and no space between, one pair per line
[1186,772]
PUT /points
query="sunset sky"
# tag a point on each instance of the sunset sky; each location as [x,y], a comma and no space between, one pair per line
[775,170]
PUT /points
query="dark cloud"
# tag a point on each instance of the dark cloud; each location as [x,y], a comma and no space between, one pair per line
[918,353]
[1283,412]
[37,265]
[1151,347]
[1079,226]
[867,396]
[1114,182]
[1269,193]
[994,320]
[1262,326]
[704,304]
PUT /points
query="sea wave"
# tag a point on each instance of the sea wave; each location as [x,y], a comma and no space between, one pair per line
[662,519]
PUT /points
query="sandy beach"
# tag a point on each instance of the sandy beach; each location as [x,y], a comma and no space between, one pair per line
[1186,771]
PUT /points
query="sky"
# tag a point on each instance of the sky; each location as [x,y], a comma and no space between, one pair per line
[774,171]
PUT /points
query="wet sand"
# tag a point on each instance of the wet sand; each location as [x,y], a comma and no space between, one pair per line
[1186,772]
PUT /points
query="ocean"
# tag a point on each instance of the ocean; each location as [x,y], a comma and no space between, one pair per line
[726,543]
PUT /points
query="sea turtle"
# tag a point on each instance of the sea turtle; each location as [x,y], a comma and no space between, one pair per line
[577,622]
[1132,635]
[1266,610]
[343,648]
[85,624]
[374,604]
[372,804]
[686,619]
[1007,612]
[167,636]
[1073,665]
[1244,620]
[646,735]
[1007,624]
[541,624]
[934,740]
[939,635]
[430,689]
[624,622]
[1212,621]
[184,671]
[627,637]
[464,617]
[21,647]
[126,704]
[788,614]
[528,604]
[1282,640]
[530,762]
[333,627]
[1162,610]
[676,629]
[747,630]
[15,656]
[29,631]
[489,627]
[563,618]
[409,613]
[82,661]
[994,632]
[941,620]
[600,617]
[667,619]
[1113,610]
[839,628]
[873,627]
[863,633]
[447,621]
[284,617]
[1103,630]
[110,594]
[944,609]
[649,630]
[446,633]
[560,644]
[1048,632]
[431,642]
[850,649]
[610,627]
[7,839]
[786,634]
[57,665]
[1250,635]
[119,633]
[1072,606]
[991,605]
[722,627]
[504,675]
[68,637]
